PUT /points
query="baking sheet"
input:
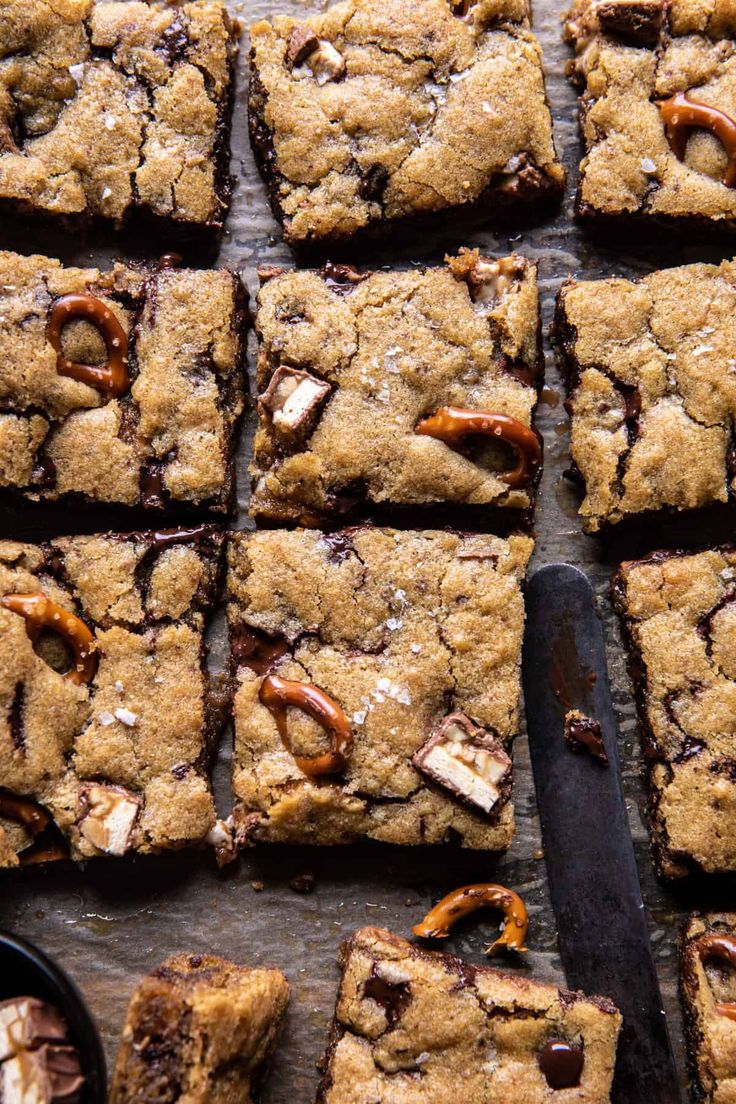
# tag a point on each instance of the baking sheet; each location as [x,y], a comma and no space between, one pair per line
[111,921]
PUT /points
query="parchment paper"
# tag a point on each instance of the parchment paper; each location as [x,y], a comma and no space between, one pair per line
[112,921]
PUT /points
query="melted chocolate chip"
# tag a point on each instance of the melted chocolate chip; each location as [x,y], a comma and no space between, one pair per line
[152,484]
[583,733]
[561,1063]
[393,996]
[340,546]
[257,650]
[15,719]
[373,183]
[341,278]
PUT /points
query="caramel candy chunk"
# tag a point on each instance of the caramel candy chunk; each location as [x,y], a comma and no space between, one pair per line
[48,1075]
[406,1016]
[101,417]
[708,992]
[678,613]
[584,734]
[199,1027]
[466,761]
[119,112]
[114,759]
[651,426]
[435,70]
[396,389]
[107,817]
[294,399]
[26,1022]
[461,902]
[348,649]
[656,111]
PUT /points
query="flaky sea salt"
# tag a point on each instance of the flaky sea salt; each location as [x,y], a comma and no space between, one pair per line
[105,718]
[126,717]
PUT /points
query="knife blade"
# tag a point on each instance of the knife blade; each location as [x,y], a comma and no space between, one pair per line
[594,884]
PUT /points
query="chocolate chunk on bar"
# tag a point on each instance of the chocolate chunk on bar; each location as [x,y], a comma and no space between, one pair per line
[116,110]
[708,993]
[397,389]
[199,1029]
[377,685]
[374,111]
[679,617]
[649,398]
[106,717]
[657,110]
[412,1024]
[119,387]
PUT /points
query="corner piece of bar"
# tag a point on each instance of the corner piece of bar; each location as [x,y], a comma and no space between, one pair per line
[199,1028]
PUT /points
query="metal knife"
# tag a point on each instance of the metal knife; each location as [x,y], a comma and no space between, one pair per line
[594,885]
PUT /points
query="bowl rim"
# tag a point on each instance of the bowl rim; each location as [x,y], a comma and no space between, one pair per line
[73,1007]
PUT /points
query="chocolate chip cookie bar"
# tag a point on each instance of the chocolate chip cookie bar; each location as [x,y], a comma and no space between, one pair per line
[413,1025]
[375,111]
[652,394]
[111,110]
[120,387]
[106,716]
[199,1029]
[377,685]
[658,109]
[679,614]
[708,992]
[396,389]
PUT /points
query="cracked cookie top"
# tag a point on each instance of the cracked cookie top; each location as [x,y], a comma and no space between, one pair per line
[679,612]
[632,57]
[106,107]
[652,379]
[406,1016]
[351,363]
[118,760]
[373,111]
[168,435]
[404,633]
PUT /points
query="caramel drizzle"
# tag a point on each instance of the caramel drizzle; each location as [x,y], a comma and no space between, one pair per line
[47,842]
[723,948]
[681,115]
[451,424]
[41,613]
[111,377]
[277,694]
[461,902]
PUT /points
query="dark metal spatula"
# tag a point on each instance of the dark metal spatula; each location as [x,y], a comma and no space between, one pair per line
[594,885]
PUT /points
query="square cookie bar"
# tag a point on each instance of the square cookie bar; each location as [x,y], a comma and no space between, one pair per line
[114,109]
[708,992]
[652,393]
[106,717]
[397,389]
[413,1025]
[199,1029]
[377,110]
[377,685]
[120,387]
[658,109]
[679,618]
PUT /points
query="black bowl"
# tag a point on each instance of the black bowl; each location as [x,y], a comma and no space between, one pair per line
[27,972]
